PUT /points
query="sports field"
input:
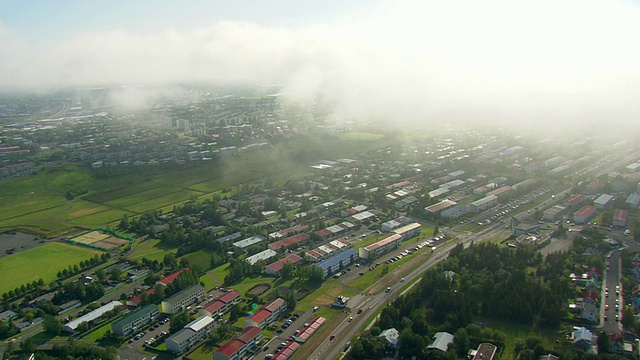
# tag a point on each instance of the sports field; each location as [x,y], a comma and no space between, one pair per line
[42,262]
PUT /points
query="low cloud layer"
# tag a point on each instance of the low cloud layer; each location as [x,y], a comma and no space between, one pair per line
[501,61]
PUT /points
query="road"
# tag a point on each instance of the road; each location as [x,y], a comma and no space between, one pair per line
[330,349]
[612,300]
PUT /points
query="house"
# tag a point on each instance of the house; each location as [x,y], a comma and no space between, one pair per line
[392,336]
[582,338]
[616,343]
[7,315]
[633,201]
[589,312]
[189,335]
[135,320]
[441,341]
[485,351]
[171,277]
[179,302]
[261,256]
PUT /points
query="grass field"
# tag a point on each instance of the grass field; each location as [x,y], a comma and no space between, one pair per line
[42,262]
[151,249]
[98,333]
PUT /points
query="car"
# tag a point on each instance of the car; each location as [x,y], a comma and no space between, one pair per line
[306,324]
[350,318]
[333,336]
[297,332]
[279,331]
[268,356]
[401,280]
[606,307]
[605,318]
[388,289]
[315,308]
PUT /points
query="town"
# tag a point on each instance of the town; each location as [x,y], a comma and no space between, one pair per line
[336,239]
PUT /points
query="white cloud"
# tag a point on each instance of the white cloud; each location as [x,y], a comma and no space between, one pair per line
[403,59]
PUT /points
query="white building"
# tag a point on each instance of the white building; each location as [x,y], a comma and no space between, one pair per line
[454,212]
[483,204]
[193,332]
[71,326]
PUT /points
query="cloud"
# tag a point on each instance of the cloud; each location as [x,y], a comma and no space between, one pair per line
[496,60]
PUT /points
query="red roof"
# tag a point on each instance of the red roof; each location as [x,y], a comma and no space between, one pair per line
[324,233]
[620,215]
[286,351]
[260,315]
[231,347]
[275,304]
[574,199]
[137,299]
[586,211]
[229,296]
[249,334]
[170,278]
[213,306]
[278,265]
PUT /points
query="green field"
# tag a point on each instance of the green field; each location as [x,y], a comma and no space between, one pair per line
[42,262]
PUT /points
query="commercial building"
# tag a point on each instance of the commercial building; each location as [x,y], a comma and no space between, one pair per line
[135,320]
[71,326]
[381,247]
[188,336]
[309,330]
[338,262]
[554,213]
[585,214]
[604,201]
[483,204]
[236,349]
[633,201]
[267,314]
[179,302]
[620,218]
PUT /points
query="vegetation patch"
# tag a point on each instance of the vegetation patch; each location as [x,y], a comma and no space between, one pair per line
[42,262]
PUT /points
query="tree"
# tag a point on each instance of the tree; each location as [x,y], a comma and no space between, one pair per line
[603,342]
[28,346]
[115,274]
[287,270]
[51,325]
[178,321]
[628,318]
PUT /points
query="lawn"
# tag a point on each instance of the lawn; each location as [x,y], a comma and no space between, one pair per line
[42,262]
[98,333]
[151,249]
[516,331]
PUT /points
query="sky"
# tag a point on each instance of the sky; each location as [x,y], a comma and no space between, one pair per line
[553,62]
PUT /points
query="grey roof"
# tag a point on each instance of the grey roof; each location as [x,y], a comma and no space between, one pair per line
[93,315]
[441,341]
[7,315]
[145,310]
[184,293]
[181,336]
[391,335]
[603,199]
[229,237]
[249,241]
[324,265]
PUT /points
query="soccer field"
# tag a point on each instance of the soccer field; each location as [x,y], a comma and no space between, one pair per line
[42,262]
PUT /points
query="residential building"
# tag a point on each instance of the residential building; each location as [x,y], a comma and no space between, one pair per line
[338,262]
[391,336]
[381,247]
[438,207]
[589,312]
[222,304]
[274,267]
[171,277]
[135,320]
[582,338]
[408,231]
[454,212]
[267,314]
[327,250]
[501,192]
[485,351]
[389,226]
[245,243]
[261,256]
[574,200]
[483,204]
[179,302]
[236,348]
[441,341]
[186,337]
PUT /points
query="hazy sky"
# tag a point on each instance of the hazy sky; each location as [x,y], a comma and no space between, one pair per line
[518,60]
